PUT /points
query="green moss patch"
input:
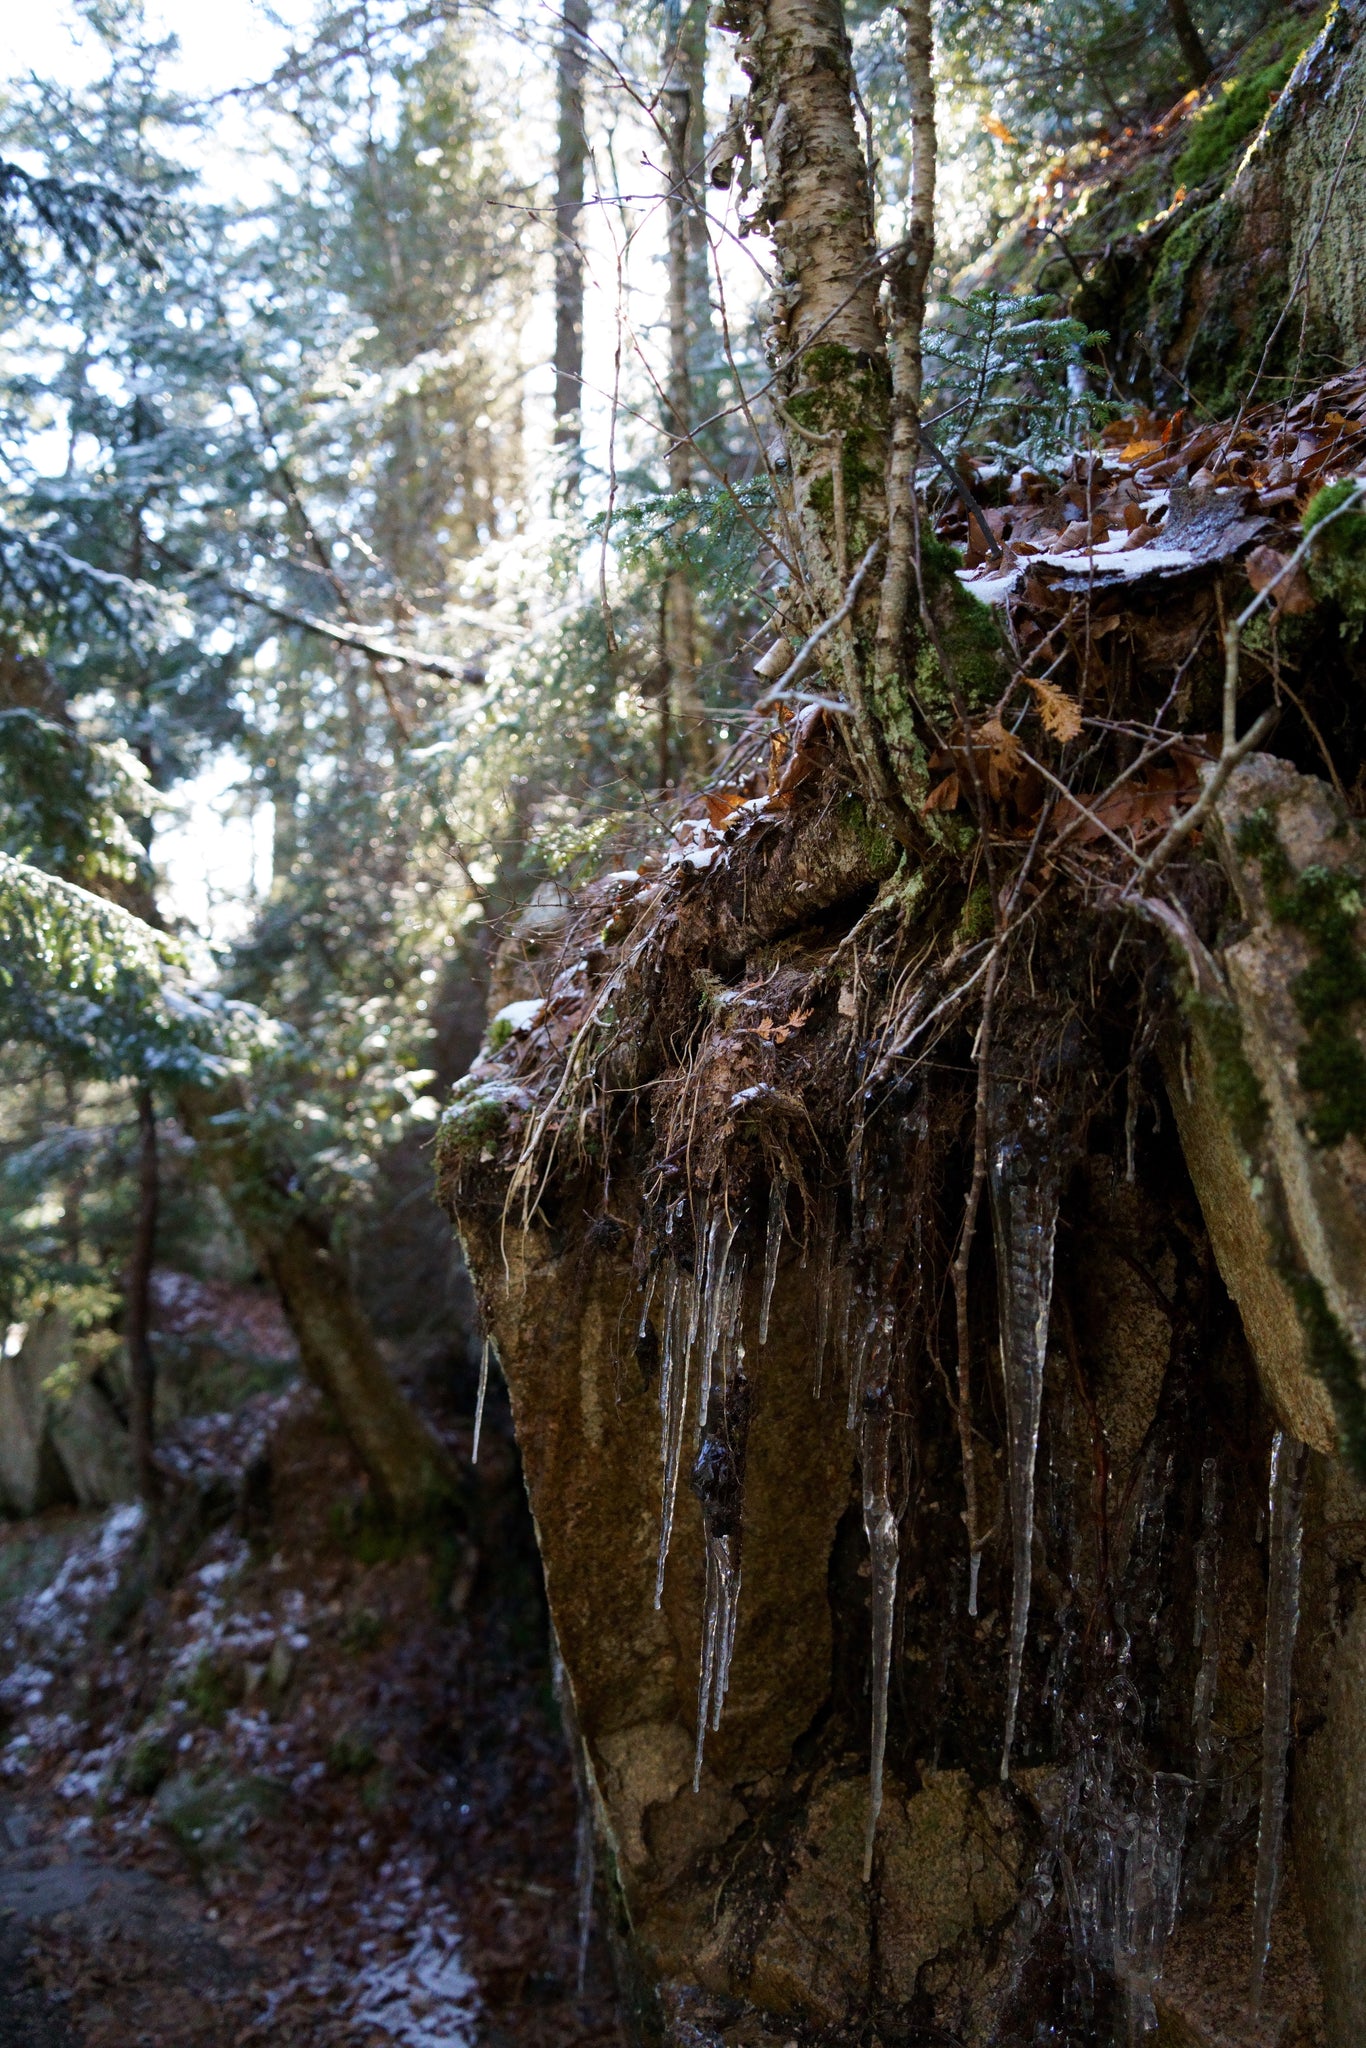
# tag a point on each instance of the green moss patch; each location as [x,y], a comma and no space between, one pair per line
[1235,110]
[1337,561]
[1325,904]
[1236,1088]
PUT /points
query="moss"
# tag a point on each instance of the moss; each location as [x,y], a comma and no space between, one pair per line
[210,1816]
[475,1117]
[1337,561]
[969,635]
[206,1693]
[1181,251]
[1325,904]
[350,1754]
[842,393]
[880,849]
[499,1032]
[976,921]
[1330,1357]
[1236,1087]
[1237,108]
[146,1764]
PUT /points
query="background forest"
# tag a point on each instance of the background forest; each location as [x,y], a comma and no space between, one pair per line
[357,509]
[388,473]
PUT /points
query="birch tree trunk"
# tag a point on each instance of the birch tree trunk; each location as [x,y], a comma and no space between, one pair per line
[570,160]
[684,116]
[849,378]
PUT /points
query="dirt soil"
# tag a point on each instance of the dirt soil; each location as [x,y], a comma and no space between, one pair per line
[312,1788]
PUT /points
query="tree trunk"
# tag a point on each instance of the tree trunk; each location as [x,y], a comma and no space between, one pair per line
[142,1382]
[846,409]
[410,1471]
[571,157]
[684,115]
[1198,65]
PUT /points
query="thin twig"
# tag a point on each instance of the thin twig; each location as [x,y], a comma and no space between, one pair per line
[801,661]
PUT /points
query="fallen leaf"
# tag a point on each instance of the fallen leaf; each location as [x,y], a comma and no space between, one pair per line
[1060,714]
[765,1027]
[1004,754]
[944,795]
[1292,595]
[721,803]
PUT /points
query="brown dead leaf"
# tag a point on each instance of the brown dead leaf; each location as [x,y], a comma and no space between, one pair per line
[1004,755]
[944,795]
[1293,594]
[721,803]
[765,1028]
[1059,713]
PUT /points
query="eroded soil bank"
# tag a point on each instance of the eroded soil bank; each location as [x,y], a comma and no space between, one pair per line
[1053,1523]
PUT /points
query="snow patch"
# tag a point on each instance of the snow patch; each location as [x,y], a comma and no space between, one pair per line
[423,1996]
[520,1016]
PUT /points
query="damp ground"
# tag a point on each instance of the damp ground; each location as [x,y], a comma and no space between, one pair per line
[311,1788]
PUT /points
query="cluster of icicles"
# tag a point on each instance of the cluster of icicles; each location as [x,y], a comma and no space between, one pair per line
[702,1365]
[703,1355]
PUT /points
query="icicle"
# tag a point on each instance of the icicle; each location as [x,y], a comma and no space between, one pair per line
[584,1874]
[1289,1459]
[673,1403]
[1206,1616]
[479,1404]
[777,1208]
[879,1523]
[646,1303]
[718,1482]
[825,1294]
[1024,1180]
[1149,1892]
[717,1292]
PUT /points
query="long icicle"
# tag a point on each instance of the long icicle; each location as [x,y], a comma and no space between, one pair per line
[479,1404]
[879,1524]
[1289,1459]
[718,1480]
[680,1327]
[777,1209]
[1024,1181]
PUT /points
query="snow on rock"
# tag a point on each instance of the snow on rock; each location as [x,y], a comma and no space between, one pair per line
[519,1016]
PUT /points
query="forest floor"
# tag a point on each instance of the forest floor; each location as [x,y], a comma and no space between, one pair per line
[303,1789]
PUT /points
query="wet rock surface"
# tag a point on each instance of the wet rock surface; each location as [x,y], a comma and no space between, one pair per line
[1125,1829]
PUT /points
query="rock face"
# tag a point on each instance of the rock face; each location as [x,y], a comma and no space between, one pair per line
[1273,1106]
[57,1449]
[1107,1881]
